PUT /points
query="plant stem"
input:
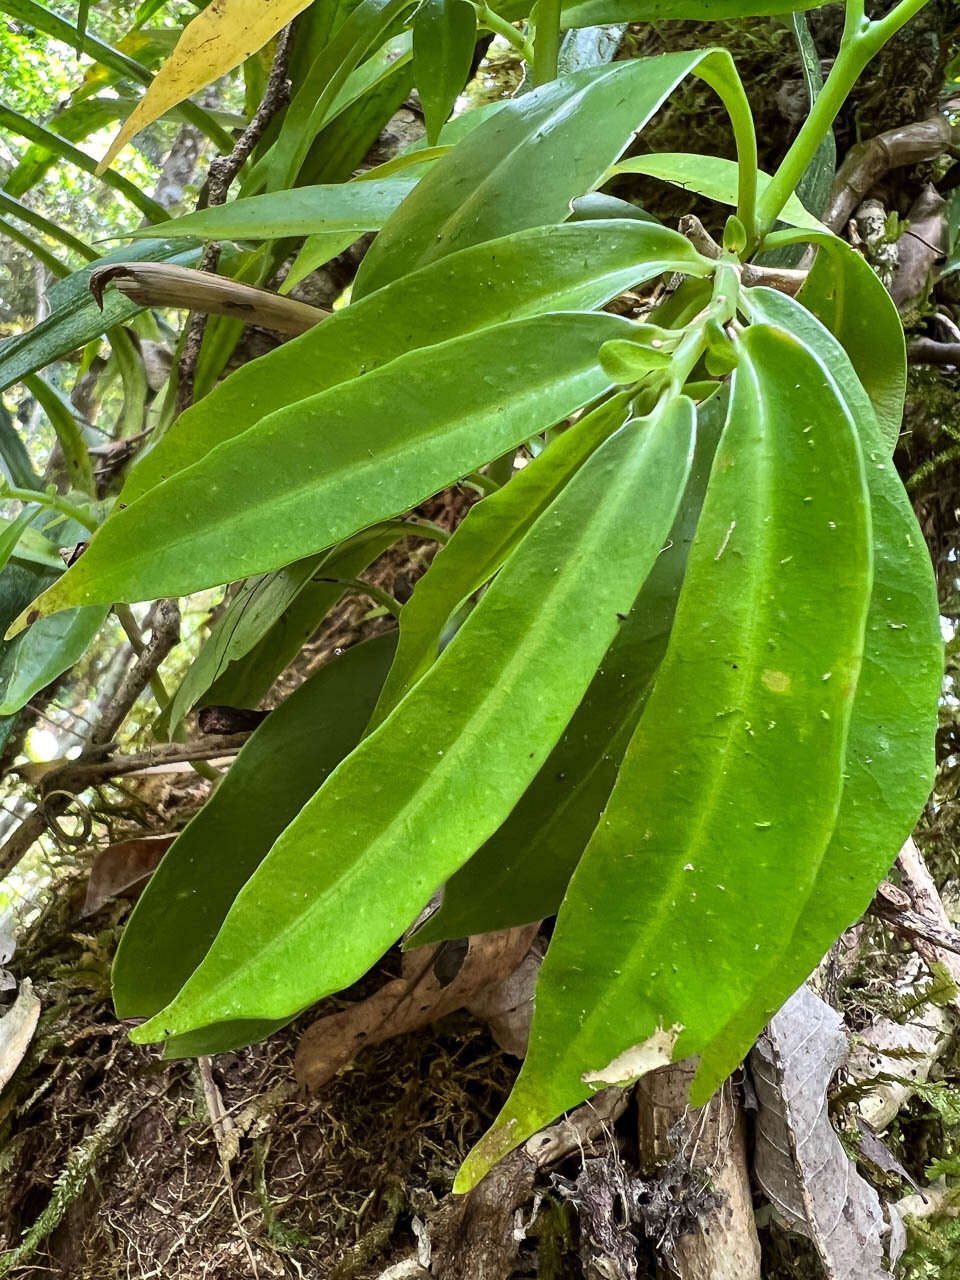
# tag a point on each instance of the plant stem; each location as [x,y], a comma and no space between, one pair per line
[722,308]
[862,39]
[493,22]
[546,45]
[50,500]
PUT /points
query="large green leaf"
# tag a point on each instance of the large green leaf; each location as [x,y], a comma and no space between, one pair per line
[844,292]
[311,475]
[337,207]
[244,682]
[14,460]
[522,871]
[419,794]
[318,90]
[285,761]
[522,167]
[75,318]
[38,656]
[890,761]
[729,791]
[63,418]
[444,33]
[710,176]
[481,544]
[544,269]
[587,13]
[19,584]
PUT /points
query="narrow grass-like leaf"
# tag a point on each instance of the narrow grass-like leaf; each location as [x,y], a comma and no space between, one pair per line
[544,269]
[36,248]
[119,63]
[522,872]
[33,132]
[75,318]
[890,761]
[15,208]
[417,797]
[14,460]
[729,791]
[62,417]
[524,165]
[311,475]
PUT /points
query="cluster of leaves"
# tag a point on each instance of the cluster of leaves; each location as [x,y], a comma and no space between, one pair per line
[674,680]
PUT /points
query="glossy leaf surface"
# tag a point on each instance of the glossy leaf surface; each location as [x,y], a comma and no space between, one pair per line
[890,759]
[544,269]
[481,544]
[713,177]
[338,207]
[522,872]
[524,165]
[444,32]
[38,656]
[426,788]
[311,475]
[284,762]
[845,294]
[243,683]
[728,793]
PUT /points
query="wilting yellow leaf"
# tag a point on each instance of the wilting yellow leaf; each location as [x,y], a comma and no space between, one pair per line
[216,41]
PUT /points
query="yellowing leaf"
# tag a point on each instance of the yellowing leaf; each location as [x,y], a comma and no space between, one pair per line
[216,41]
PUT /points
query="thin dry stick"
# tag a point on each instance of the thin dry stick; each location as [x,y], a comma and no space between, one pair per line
[75,776]
[221,174]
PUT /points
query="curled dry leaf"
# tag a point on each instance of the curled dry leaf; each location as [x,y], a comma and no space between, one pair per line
[800,1163]
[121,867]
[16,1030]
[163,284]
[426,991]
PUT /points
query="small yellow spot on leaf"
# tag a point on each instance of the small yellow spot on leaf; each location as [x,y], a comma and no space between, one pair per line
[656,1051]
[776,681]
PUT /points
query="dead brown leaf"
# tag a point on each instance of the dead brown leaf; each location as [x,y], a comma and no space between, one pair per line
[16,1030]
[412,1001]
[122,867]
